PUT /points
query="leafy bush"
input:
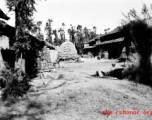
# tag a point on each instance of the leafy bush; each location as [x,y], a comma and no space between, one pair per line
[142,34]
[14,83]
[130,72]
[138,30]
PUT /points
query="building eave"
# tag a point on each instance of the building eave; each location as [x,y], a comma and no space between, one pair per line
[111,41]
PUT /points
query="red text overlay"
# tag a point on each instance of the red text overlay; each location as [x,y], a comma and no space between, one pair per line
[126,112]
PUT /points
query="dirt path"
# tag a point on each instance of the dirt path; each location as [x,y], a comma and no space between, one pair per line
[84,97]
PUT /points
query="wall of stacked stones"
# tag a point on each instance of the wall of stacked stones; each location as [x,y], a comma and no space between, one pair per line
[46,59]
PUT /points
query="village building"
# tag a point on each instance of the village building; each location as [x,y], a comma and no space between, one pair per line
[30,56]
[110,42]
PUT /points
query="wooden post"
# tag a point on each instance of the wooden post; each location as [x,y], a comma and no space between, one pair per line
[1,61]
[20,63]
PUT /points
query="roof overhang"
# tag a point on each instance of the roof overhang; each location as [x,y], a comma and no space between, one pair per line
[111,41]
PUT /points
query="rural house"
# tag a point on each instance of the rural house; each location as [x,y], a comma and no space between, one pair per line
[111,42]
[7,34]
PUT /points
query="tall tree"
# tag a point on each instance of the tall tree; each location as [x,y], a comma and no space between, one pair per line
[57,41]
[48,29]
[95,29]
[79,28]
[39,34]
[92,35]
[86,32]
[80,40]
[24,10]
[72,32]
[63,27]
[61,31]
[139,31]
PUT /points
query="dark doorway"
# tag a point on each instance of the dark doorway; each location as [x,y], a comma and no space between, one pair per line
[9,57]
[31,63]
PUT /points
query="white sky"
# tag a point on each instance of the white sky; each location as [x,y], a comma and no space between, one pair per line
[88,13]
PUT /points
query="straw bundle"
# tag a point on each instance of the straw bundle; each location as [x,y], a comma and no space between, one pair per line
[67,50]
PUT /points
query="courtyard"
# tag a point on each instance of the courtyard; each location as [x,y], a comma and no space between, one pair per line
[79,95]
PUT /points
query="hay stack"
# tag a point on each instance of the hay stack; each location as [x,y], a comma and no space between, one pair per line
[67,50]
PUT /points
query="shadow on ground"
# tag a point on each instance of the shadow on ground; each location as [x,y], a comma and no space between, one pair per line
[29,110]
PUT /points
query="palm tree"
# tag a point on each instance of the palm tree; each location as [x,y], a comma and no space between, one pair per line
[37,30]
[95,29]
[80,41]
[61,34]
[92,35]
[57,41]
[86,32]
[63,25]
[72,33]
[79,28]
[48,29]
[69,32]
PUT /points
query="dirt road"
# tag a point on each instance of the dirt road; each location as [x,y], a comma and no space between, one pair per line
[85,97]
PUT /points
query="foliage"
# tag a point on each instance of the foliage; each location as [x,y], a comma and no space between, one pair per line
[14,82]
[48,29]
[63,25]
[23,15]
[21,47]
[62,34]
[37,30]
[140,33]
[24,10]
[92,35]
[72,32]
[57,41]
[79,35]
[80,40]
[86,33]
[94,28]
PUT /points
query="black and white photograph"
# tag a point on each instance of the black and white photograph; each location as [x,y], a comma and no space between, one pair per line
[75,60]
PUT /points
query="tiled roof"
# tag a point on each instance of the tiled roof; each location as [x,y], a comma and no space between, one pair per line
[94,39]
[88,47]
[111,41]
[110,35]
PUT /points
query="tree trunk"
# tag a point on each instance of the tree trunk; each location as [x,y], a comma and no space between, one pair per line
[16,22]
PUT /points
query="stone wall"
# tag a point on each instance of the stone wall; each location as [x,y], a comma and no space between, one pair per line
[46,59]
